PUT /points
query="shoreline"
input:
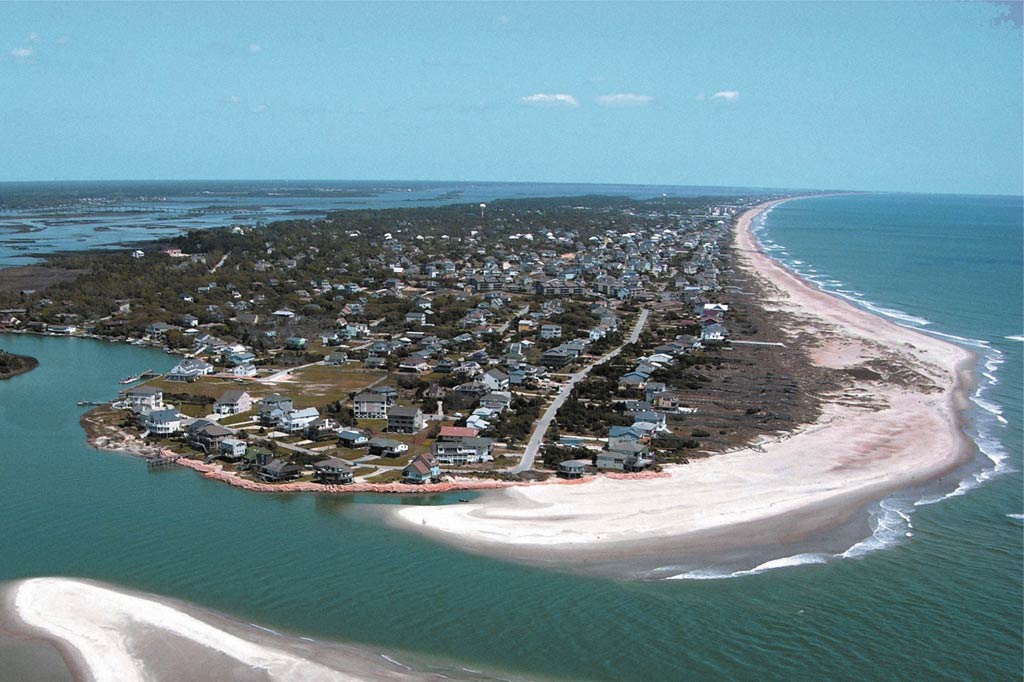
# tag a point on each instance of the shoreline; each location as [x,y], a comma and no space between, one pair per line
[106,634]
[775,493]
[25,364]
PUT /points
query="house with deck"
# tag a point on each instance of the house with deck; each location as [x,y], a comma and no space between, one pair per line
[332,471]
[403,419]
[144,398]
[423,469]
[233,402]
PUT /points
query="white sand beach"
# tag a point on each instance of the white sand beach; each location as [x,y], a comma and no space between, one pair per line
[897,428]
[109,635]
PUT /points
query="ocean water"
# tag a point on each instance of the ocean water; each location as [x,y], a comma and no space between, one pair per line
[935,593]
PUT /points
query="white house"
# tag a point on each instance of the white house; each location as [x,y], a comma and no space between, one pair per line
[297,420]
[232,448]
[144,398]
[495,379]
[551,331]
[233,402]
[162,422]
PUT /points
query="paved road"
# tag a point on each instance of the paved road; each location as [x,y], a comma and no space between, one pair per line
[541,427]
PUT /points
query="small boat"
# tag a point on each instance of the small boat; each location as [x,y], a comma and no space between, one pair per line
[130,380]
[463,499]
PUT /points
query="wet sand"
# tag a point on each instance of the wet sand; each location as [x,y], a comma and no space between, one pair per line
[105,634]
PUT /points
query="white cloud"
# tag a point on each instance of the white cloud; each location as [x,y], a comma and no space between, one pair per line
[543,100]
[23,55]
[623,100]
[63,40]
[233,99]
[33,37]
[726,95]
[255,49]
[259,108]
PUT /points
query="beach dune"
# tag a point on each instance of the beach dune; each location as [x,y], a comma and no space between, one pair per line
[896,424]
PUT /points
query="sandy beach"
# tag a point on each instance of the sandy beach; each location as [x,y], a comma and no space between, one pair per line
[111,635]
[895,424]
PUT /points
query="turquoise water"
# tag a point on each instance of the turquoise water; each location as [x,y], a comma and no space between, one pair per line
[944,603]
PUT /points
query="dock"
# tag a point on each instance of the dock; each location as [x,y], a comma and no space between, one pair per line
[162,461]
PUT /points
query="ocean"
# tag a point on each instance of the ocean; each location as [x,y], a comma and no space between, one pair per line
[935,593]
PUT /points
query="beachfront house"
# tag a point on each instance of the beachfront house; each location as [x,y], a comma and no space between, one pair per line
[144,398]
[471,450]
[232,449]
[161,422]
[572,468]
[423,469]
[278,470]
[332,471]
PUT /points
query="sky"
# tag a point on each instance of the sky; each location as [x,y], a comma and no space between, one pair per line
[903,96]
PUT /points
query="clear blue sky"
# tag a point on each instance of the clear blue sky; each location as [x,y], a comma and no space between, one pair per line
[915,96]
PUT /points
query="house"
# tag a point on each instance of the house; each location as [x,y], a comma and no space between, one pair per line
[551,331]
[495,379]
[239,357]
[161,422]
[413,364]
[405,419]
[557,357]
[233,402]
[618,435]
[205,435]
[498,401]
[353,438]
[419,318]
[713,334]
[455,434]
[144,398]
[189,369]
[385,447]
[371,405]
[648,420]
[279,470]
[232,449]
[611,459]
[423,469]
[297,420]
[243,371]
[322,429]
[463,451]
[295,343]
[638,461]
[332,471]
[273,408]
[337,357]
[633,380]
[572,468]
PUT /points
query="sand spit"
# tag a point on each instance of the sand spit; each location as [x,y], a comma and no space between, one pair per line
[109,635]
[894,426]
